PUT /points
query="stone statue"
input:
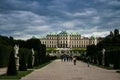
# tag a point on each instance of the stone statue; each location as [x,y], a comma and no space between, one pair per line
[103,53]
[16,48]
[33,57]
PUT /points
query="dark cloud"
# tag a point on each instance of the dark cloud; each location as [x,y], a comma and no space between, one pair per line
[25,18]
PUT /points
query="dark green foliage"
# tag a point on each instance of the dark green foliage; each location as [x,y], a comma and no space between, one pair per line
[48,58]
[36,62]
[113,57]
[7,44]
[116,59]
[106,60]
[12,65]
[11,42]
[29,62]
[23,60]
[91,51]
[111,44]
[51,57]
[42,53]
[22,66]
[4,40]
[99,57]
[33,43]
[4,55]
[5,49]
[36,45]
[22,43]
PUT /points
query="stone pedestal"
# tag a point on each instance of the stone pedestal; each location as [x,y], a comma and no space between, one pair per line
[17,62]
[16,48]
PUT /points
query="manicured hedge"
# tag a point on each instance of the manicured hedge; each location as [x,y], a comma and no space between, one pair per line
[12,65]
[4,55]
[113,57]
[23,56]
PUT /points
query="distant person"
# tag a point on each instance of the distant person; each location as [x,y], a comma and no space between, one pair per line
[74,60]
[64,57]
[88,60]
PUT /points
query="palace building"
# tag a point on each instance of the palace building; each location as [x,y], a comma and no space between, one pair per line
[67,40]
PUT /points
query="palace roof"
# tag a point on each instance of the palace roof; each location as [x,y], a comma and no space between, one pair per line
[92,37]
[64,33]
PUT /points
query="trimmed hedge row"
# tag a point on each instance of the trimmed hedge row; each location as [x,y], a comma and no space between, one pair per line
[4,55]
[113,57]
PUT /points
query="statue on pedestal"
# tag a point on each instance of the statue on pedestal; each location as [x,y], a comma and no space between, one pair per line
[16,48]
[33,57]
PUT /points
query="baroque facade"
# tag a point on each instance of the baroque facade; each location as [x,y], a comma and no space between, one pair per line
[66,40]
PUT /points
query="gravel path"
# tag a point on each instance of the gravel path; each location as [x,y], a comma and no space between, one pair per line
[58,70]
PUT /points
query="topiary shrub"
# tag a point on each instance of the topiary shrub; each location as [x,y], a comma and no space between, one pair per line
[116,59]
[36,62]
[4,55]
[106,59]
[12,65]
[29,62]
[22,66]
[23,59]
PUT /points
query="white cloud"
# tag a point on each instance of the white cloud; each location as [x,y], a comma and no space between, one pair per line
[86,12]
[115,2]
[68,24]
[101,34]
[97,34]
[22,23]
[25,18]
[24,37]
[38,28]
[21,4]
[103,0]
[96,19]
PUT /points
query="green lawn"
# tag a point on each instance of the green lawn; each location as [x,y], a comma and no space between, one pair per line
[83,49]
[21,73]
[50,49]
[17,77]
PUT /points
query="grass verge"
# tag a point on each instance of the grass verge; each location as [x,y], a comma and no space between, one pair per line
[21,73]
[17,77]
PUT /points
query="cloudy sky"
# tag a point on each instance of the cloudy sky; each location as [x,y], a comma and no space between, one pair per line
[23,19]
